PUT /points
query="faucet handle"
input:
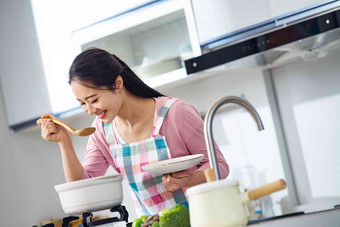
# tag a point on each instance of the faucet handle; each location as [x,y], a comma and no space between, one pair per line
[210,175]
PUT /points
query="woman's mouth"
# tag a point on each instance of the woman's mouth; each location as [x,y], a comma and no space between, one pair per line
[102,115]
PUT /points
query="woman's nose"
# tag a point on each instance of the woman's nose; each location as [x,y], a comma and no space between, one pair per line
[90,109]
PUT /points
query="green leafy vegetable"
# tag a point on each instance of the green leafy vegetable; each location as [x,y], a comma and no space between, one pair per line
[178,216]
[139,221]
[155,224]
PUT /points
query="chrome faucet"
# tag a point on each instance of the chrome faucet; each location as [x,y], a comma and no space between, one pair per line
[208,120]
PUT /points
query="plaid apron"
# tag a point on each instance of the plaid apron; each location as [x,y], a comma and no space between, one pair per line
[147,190]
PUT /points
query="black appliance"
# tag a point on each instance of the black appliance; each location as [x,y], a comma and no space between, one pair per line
[313,32]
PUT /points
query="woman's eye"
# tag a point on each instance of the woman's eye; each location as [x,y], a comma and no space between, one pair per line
[94,101]
[82,104]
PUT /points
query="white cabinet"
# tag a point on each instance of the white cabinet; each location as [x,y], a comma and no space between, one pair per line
[23,85]
[152,40]
[220,19]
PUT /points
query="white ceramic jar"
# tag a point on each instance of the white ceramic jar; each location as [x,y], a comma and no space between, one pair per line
[217,204]
[221,204]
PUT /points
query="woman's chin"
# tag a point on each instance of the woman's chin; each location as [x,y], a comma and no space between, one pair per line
[106,121]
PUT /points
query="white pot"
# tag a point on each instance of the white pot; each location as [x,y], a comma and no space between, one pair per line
[220,203]
[89,195]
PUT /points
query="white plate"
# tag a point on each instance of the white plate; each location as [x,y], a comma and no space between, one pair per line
[174,164]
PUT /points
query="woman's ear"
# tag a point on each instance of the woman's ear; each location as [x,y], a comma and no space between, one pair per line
[119,82]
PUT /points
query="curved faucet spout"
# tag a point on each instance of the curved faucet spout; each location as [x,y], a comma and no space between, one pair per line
[208,120]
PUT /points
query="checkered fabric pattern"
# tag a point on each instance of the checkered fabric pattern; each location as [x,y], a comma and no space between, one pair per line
[148,191]
[161,115]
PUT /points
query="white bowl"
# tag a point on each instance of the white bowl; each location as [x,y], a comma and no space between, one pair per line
[89,195]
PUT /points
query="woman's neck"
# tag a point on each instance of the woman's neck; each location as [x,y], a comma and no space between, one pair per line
[136,110]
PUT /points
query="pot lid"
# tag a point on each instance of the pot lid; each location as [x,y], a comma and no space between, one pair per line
[88,182]
[212,186]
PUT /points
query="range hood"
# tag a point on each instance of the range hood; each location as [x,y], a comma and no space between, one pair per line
[308,34]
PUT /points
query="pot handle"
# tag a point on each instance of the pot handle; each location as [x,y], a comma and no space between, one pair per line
[267,189]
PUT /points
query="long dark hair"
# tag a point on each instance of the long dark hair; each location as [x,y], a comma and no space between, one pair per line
[96,68]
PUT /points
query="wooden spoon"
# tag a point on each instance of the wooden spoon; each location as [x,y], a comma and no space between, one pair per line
[79,132]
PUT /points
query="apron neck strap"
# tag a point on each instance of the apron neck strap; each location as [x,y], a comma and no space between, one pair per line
[161,115]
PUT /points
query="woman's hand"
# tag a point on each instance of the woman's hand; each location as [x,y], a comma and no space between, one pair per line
[52,132]
[174,181]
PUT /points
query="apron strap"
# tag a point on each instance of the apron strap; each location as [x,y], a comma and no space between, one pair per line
[110,136]
[161,115]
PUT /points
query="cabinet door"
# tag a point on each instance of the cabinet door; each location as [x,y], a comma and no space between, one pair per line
[218,18]
[23,84]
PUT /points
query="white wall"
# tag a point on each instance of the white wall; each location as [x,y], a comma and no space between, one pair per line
[309,100]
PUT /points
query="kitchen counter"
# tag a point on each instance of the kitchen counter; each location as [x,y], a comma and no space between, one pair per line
[324,218]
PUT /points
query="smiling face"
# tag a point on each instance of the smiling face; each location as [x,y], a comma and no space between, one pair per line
[103,103]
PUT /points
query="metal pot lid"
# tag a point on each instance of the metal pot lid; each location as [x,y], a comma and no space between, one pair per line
[212,186]
[88,182]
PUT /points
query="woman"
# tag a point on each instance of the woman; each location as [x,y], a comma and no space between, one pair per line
[135,125]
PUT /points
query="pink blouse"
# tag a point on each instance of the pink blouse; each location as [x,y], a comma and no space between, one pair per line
[183,131]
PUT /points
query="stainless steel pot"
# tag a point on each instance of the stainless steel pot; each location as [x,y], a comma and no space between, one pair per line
[89,195]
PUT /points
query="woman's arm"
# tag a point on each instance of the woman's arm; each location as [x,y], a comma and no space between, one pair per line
[73,170]
[97,157]
[188,136]
[97,153]
[193,134]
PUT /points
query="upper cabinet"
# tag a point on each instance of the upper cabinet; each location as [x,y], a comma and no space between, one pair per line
[23,85]
[152,37]
[153,40]
[221,22]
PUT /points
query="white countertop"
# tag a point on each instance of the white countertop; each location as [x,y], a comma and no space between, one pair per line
[326,218]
